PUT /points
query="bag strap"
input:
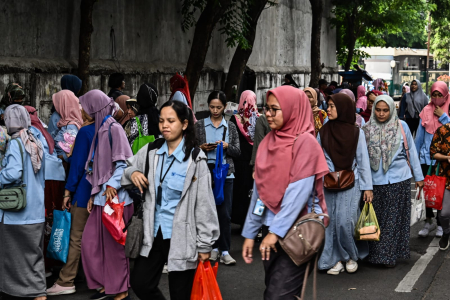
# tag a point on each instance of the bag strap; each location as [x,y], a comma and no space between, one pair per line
[305,279]
[405,144]
[109,134]
[224,133]
[139,126]
[219,155]
[23,162]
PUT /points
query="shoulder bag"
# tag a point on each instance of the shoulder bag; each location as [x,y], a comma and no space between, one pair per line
[15,198]
[141,140]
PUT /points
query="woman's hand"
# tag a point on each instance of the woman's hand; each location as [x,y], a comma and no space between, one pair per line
[267,244]
[368,196]
[140,181]
[90,205]
[204,256]
[66,201]
[110,193]
[247,250]
[207,147]
[225,145]
[419,184]
[438,111]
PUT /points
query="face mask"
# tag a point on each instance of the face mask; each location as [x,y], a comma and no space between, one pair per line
[438,101]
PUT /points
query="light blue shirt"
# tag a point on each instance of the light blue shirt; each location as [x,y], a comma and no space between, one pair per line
[362,167]
[179,96]
[11,174]
[172,187]
[297,195]
[423,140]
[59,137]
[213,135]
[114,182]
[399,170]
[53,124]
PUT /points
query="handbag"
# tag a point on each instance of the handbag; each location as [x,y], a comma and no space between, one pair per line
[14,198]
[434,188]
[220,175]
[141,140]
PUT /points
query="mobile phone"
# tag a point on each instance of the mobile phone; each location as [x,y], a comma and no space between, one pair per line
[212,144]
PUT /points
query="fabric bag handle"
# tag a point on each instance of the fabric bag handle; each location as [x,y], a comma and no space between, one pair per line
[219,155]
[139,126]
[437,167]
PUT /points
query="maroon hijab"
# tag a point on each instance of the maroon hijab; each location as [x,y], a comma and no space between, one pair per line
[37,123]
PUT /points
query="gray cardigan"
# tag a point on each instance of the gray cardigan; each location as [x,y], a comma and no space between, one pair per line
[195,223]
[233,149]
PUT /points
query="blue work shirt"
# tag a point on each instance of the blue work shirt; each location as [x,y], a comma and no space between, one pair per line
[423,140]
[11,174]
[76,180]
[114,182]
[172,187]
[297,195]
[53,124]
[213,135]
[59,137]
[399,170]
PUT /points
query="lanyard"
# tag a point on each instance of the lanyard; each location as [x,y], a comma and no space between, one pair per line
[91,162]
[161,179]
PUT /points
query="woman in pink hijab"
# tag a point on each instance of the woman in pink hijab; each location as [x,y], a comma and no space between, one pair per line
[289,163]
[361,104]
[433,116]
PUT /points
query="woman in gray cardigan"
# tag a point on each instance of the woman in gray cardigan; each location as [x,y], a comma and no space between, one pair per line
[210,132]
[180,222]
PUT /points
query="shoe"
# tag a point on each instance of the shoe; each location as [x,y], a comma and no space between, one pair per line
[338,268]
[56,289]
[99,296]
[439,232]
[426,229]
[351,266]
[214,255]
[443,242]
[227,259]
[165,270]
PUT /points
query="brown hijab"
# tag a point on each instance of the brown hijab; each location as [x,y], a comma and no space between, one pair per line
[122,101]
[339,137]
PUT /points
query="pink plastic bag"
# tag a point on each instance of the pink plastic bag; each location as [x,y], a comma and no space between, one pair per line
[112,218]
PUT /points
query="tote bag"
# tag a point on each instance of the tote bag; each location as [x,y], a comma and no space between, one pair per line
[58,247]
[433,189]
[141,140]
[220,173]
[418,208]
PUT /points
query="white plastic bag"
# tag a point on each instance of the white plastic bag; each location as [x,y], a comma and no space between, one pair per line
[418,207]
[231,108]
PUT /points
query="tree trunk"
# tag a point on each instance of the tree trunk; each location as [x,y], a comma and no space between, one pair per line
[241,55]
[316,30]
[351,38]
[84,51]
[203,31]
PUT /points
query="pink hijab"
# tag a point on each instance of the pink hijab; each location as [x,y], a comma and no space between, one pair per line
[429,120]
[362,99]
[68,106]
[291,153]
[352,96]
[247,115]
[407,89]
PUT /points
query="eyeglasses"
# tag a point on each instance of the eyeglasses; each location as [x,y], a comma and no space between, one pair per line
[272,111]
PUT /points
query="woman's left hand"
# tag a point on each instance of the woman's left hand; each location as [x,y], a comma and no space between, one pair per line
[419,184]
[268,244]
[204,256]
[368,196]
[438,111]
[110,193]
[225,145]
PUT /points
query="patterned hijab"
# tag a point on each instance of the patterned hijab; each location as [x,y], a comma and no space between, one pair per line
[383,139]
[17,121]
[247,115]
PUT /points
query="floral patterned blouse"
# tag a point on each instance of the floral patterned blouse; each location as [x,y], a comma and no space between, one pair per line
[319,119]
[441,144]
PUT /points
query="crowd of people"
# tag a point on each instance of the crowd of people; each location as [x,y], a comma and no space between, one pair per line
[95,149]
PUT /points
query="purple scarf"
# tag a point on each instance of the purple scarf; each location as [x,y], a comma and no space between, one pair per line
[98,105]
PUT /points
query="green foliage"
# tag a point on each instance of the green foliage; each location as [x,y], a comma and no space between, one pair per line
[357,54]
[440,31]
[366,22]
[234,23]
[415,39]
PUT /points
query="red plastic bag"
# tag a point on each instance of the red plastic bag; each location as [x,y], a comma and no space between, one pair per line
[112,218]
[205,285]
[433,189]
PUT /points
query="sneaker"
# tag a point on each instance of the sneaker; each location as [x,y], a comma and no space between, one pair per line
[351,266]
[439,232]
[99,296]
[227,259]
[214,255]
[443,242]
[165,270]
[56,289]
[338,268]
[426,229]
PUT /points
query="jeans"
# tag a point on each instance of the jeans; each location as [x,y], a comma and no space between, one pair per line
[224,215]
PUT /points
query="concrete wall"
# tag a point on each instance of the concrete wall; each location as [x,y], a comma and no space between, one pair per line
[40,44]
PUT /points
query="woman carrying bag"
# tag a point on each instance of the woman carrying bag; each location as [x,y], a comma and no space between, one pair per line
[345,149]
[180,220]
[209,133]
[391,177]
[289,164]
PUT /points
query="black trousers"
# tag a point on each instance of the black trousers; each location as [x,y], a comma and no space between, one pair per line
[413,123]
[147,273]
[428,210]
[283,278]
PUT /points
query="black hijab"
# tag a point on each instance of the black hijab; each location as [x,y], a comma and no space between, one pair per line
[339,137]
[147,99]
[291,81]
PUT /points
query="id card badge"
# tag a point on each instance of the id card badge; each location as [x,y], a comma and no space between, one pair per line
[259,208]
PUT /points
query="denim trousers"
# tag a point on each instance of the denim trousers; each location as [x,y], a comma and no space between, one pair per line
[224,215]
